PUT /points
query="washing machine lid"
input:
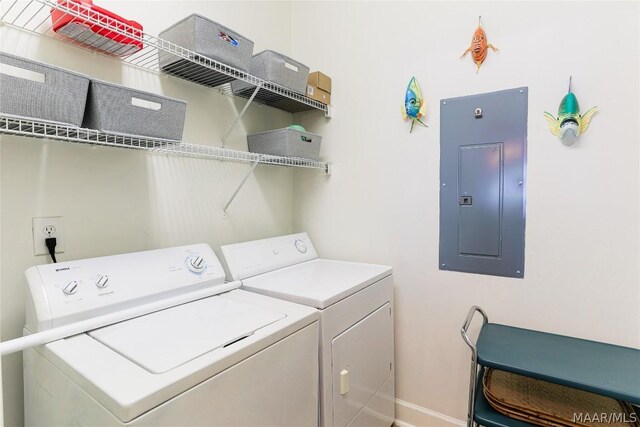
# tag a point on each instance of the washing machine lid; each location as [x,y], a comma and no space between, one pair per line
[161,341]
[317,283]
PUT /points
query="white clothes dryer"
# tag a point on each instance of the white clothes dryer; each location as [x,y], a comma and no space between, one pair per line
[194,350]
[355,303]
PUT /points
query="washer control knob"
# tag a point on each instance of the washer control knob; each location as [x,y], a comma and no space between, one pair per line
[197,264]
[103,281]
[71,288]
[301,246]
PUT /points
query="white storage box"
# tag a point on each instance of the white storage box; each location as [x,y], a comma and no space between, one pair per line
[210,39]
[123,111]
[34,90]
[286,142]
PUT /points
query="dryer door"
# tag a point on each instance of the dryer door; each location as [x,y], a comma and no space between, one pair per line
[361,361]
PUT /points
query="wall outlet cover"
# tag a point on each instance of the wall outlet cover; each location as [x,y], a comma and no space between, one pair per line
[43,227]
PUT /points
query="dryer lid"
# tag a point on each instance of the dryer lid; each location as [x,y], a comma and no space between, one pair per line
[164,340]
[317,283]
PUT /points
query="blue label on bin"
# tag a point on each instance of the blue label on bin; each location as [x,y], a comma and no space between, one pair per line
[227,38]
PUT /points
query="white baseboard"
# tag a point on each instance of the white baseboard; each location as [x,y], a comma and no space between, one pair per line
[412,415]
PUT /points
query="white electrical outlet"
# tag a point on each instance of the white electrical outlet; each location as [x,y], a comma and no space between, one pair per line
[44,227]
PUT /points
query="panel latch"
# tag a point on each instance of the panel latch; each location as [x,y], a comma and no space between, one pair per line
[466,200]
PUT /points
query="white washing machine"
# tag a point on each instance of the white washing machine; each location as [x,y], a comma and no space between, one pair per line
[194,350]
[355,302]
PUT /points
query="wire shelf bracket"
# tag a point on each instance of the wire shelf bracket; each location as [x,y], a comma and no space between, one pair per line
[239,116]
[235,193]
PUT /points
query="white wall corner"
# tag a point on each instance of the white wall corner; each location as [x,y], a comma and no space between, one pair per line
[412,415]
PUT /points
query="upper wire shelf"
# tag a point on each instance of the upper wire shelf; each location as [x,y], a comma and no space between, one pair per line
[68,133]
[35,16]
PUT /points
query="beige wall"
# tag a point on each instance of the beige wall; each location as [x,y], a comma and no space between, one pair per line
[116,201]
[381,204]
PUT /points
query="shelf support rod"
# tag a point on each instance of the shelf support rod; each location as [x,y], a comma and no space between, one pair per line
[244,109]
[235,193]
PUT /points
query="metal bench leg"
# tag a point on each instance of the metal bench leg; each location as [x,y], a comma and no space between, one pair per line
[473,377]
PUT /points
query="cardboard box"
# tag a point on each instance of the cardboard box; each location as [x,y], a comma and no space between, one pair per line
[319,80]
[318,94]
[319,87]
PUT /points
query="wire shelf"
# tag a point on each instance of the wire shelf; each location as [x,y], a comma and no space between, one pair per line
[68,133]
[35,16]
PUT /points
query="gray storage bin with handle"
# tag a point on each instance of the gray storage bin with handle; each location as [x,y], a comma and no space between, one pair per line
[30,89]
[123,111]
[207,38]
[276,68]
[286,142]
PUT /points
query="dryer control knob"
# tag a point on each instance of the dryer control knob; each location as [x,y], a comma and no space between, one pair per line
[301,246]
[197,264]
[71,288]
[103,281]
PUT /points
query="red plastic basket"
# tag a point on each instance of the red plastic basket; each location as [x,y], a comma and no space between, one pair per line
[78,21]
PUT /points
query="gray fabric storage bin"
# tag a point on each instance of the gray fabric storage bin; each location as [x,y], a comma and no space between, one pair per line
[286,142]
[31,89]
[120,110]
[280,69]
[207,38]
[276,68]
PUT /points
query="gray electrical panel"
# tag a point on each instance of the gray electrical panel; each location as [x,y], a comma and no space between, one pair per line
[483,146]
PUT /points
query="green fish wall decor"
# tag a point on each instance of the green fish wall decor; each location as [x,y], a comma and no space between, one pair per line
[569,124]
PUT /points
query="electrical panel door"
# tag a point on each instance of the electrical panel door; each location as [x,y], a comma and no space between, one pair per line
[483,141]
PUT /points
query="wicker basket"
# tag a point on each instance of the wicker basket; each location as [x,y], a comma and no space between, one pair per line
[547,404]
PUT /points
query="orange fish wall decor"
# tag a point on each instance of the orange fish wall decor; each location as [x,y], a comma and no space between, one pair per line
[479,46]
